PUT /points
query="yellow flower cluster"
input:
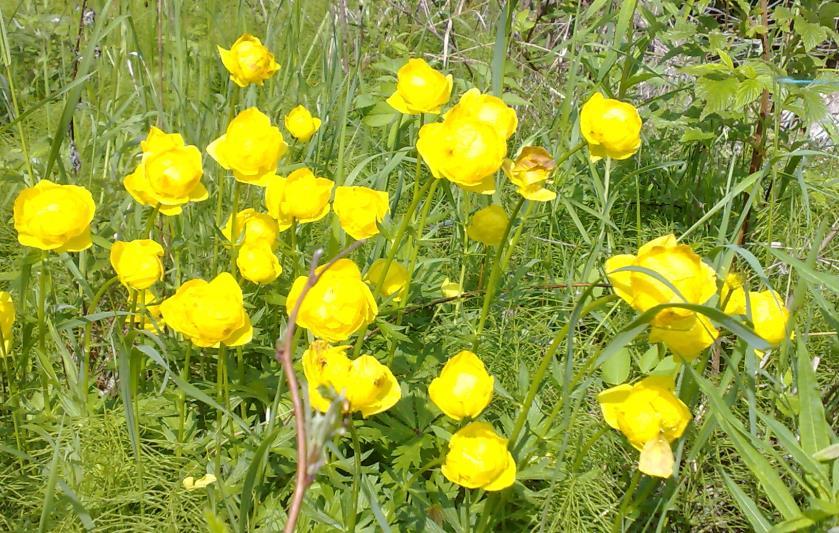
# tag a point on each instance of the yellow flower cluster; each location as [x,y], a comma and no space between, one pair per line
[477,456]
[766,309]
[258,234]
[666,272]
[7,320]
[364,384]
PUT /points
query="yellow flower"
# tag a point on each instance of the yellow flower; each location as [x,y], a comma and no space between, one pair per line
[252,228]
[478,458]
[651,417]
[611,128]
[257,263]
[248,61]
[137,263]
[250,148]
[55,217]
[463,388]
[488,109]
[465,151]
[420,89]
[395,279]
[7,320]
[360,209]
[209,313]
[301,124]
[682,269]
[169,174]
[152,319]
[769,315]
[301,196]
[338,305]
[451,289]
[366,384]
[530,171]
[488,225]
[190,483]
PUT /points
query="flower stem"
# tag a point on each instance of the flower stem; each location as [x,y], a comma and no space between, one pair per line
[617,526]
[492,284]
[150,222]
[234,229]
[94,304]
[356,478]
[397,241]
[182,400]
[538,377]
[14,401]
[42,325]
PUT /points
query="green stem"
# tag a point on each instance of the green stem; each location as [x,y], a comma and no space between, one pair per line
[293,244]
[150,222]
[14,401]
[607,178]
[516,236]
[638,210]
[94,304]
[182,400]
[617,526]
[356,478]
[234,229]
[222,356]
[397,241]
[412,263]
[538,377]
[42,325]
[492,284]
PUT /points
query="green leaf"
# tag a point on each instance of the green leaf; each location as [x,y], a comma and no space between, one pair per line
[695,134]
[615,370]
[717,94]
[649,360]
[812,34]
[813,427]
[828,454]
[760,468]
[747,92]
[380,115]
[747,506]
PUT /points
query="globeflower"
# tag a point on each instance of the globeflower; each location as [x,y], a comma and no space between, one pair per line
[530,171]
[257,263]
[464,150]
[463,388]
[651,417]
[612,128]
[420,89]
[137,263]
[478,458]
[337,306]
[301,197]
[209,313]
[769,315]
[686,333]
[7,320]
[250,148]
[395,278]
[359,210]
[55,217]
[367,385]
[169,174]
[488,225]
[301,124]
[248,61]
[488,109]
[252,228]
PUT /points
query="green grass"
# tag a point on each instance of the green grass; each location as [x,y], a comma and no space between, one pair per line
[78,463]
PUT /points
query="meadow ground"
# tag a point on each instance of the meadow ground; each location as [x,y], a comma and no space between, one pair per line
[737,159]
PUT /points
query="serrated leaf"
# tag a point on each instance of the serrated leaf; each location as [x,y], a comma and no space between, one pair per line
[812,34]
[747,92]
[717,94]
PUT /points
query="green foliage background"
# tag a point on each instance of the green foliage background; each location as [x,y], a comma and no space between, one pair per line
[697,70]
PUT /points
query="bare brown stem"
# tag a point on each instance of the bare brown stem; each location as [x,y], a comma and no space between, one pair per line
[284,355]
